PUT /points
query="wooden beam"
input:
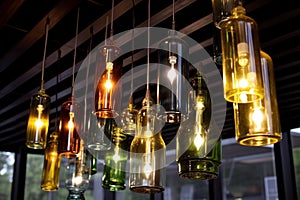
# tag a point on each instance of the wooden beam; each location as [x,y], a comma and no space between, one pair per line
[7,9]
[55,15]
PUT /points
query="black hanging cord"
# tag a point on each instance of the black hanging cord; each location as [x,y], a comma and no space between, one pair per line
[75,48]
[56,88]
[45,49]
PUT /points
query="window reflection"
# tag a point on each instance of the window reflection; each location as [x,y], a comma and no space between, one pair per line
[7,161]
[295,140]
[248,172]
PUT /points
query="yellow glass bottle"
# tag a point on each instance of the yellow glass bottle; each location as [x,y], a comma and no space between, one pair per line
[38,122]
[147,153]
[258,123]
[242,76]
[51,168]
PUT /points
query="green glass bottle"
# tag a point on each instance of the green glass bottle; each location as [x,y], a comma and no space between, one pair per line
[195,155]
[114,173]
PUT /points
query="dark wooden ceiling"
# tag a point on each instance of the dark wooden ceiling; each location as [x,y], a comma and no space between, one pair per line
[22,36]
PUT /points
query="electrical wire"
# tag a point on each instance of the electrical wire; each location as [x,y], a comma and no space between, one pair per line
[75,48]
[45,49]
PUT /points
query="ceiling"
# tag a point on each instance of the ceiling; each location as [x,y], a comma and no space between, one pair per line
[22,38]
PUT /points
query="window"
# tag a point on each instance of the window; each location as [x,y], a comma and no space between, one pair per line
[7,161]
[248,172]
[295,140]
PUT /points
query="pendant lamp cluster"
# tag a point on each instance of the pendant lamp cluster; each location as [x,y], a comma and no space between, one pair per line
[248,79]
[248,76]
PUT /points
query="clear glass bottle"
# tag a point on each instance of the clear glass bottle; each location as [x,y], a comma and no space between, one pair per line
[99,133]
[258,123]
[69,140]
[78,174]
[51,167]
[147,152]
[242,77]
[195,159]
[38,122]
[173,71]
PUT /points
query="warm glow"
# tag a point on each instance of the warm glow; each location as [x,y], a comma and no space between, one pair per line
[147,169]
[198,141]
[77,180]
[39,123]
[243,97]
[243,83]
[257,118]
[109,66]
[200,105]
[108,84]
[71,121]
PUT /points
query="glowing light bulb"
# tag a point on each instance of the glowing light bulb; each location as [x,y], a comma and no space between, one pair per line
[257,118]
[243,83]
[147,170]
[39,123]
[116,156]
[243,97]
[198,141]
[71,123]
[172,72]
[77,180]
[108,84]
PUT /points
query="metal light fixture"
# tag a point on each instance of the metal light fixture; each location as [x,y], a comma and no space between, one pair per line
[257,123]
[38,122]
[194,159]
[69,140]
[172,55]
[242,75]
[52,160]
[147,149]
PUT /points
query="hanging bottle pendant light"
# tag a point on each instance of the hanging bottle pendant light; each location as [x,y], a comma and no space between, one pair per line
[38,122]
[52,160]
[257,123]
[194,159]
[69,140]
[114,172]
[147,152]
[105,85]
[78,174]
[242,75]
[147,149]
[173,71]
[51,166]
[129,114]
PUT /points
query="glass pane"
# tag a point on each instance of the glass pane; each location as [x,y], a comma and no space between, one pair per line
[33,182]
[248,172]
[295,140]
[178,188]
[7,161]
